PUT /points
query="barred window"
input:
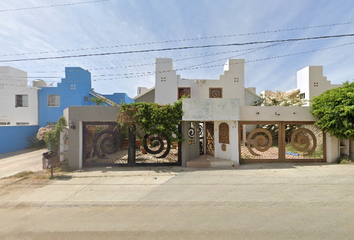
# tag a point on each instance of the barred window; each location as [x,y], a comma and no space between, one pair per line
[53,100]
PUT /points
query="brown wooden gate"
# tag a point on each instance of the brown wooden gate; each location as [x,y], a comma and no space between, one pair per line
[281,142]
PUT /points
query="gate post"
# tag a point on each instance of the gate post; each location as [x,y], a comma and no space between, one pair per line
[131,147]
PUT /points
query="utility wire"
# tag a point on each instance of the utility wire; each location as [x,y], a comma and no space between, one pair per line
[145,74]
[182,40]
[134,75]
[176,58]
[50,6]
[179,48]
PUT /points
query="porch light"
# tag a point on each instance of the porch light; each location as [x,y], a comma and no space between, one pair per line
[276,113]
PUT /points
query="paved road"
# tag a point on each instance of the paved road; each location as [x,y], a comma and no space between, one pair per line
[15,162]
[273,201]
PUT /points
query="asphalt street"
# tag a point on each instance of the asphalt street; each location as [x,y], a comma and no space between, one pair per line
[261,201]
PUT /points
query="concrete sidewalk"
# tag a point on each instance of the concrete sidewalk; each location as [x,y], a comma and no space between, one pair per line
[276,183]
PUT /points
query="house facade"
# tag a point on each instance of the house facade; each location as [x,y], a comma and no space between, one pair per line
[219,121]
[234,129]
[19,102]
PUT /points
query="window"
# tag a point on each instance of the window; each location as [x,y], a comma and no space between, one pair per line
[73,86]
[86,99]
[302,95]
[4,123]
[53,100]
[21,101]
[215,92]
[184,92]
[315,84]
[163,79]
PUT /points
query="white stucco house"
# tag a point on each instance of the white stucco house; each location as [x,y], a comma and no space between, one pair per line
[236,130]
[19,102]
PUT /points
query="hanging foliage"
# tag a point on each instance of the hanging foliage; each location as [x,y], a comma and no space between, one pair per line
[152,118]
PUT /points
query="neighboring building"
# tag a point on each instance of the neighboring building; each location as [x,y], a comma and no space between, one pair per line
[18,110]
[26,108]
[311,82]
[72,91]
[19,102]
[118,98]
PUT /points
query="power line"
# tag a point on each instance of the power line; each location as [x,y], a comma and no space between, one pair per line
[135,75]
[183,40]
[50,6]
[174,60]
[180,57]
[179,48]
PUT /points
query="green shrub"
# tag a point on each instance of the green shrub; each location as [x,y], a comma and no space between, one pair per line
[344,160]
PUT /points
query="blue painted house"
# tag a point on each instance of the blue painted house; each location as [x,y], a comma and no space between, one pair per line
[73,90]
[118,98]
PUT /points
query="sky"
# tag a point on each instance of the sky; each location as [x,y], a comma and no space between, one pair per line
[34,31]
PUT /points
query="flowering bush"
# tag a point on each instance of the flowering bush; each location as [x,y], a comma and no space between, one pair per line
[42,132]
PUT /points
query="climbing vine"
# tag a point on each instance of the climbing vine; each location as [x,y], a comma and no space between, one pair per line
[52,138]
[152,118]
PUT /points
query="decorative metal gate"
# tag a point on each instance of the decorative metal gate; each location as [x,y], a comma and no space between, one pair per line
[157,150]
[281,142]
[210,138]
[105,144]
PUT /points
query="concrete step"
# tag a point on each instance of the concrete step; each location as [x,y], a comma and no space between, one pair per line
[220,163]
[207,161]
[198,163]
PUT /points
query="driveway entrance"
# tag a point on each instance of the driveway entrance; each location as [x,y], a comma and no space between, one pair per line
[281,142]
[106,144]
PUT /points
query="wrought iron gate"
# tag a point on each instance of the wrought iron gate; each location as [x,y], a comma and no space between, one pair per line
[210,138]
[105,144]
[281,142]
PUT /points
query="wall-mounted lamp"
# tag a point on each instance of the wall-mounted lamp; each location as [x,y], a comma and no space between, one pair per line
[257,112]
[276,113]
[71,124]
